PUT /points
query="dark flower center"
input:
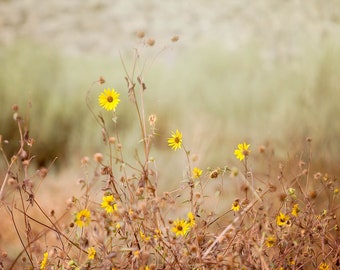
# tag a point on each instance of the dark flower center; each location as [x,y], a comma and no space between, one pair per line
[109,99]
[177,140]
[179,227]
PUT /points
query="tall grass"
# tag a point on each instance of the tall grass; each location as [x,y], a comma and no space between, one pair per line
[235,93]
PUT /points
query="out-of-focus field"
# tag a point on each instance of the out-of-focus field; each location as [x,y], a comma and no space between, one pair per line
[266,73]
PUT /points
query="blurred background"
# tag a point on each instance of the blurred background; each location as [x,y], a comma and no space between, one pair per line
[267,72]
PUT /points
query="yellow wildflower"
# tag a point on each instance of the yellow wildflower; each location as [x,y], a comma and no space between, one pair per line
[236,206]
[175,141]
[83,218]
[282,220]
[242,151]
[91,253]
[180,227]
[109,204]
[109,99]
[144,237]
[191,219]
[323,266]
[196,172]
[44,261]
[270,241]
[295,210]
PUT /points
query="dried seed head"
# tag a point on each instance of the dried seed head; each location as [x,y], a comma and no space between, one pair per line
[272,187]
[4,254]
[85,160]
[313,194]
[15,107]
[214,174]
[101,80]
[262,149]
[302,164]
[152,120]
[140,34]
[150,42]
[244,187]
[98,157]
[317,176]
[283,197]
[43,172]
[12,182]
[175,38]
[112,140]
[308,139]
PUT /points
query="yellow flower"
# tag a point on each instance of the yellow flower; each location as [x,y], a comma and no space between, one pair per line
[196,172]
[235,206]
[191,219]
[83,218]
[323,266]
[242,151]
[109,204]
[44,261]
[282,220]
[157,234]
[295,210]
[180,227]
[109,99]
[144,237]
[270,241]
[91,253]
[175,141]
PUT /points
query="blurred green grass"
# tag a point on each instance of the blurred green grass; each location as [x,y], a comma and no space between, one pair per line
[218,98]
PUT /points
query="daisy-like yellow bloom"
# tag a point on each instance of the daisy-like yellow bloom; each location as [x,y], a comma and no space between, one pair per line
[109,204]
[191,219]
[323,266]
[236,206]
[270,241]
[44,261]
[295,210]
[242,151]
[197,172]
[181,227]
[282,220]
[83,218]
[175,141]
[109,99]
[91,253]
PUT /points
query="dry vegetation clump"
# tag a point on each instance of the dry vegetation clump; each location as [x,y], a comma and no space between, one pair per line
[284,217]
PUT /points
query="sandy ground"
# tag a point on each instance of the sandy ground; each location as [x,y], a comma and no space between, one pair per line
[100,27]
